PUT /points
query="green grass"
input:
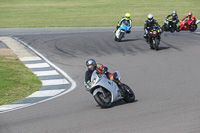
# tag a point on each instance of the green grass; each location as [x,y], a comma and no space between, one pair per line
[76,13]
[16,80]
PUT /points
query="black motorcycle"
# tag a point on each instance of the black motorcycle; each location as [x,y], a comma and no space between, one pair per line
[169,25]
[154,38]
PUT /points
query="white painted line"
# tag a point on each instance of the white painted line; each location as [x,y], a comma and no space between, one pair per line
[46,73]
[72,87]
[198,32]
[46,93]
[38,65]
[11,106]
[30,58]
[54,82]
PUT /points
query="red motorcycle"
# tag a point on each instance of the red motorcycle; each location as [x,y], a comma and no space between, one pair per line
[185,25]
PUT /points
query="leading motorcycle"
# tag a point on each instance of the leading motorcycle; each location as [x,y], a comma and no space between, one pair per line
[106,92]
[154,37]
[122,30]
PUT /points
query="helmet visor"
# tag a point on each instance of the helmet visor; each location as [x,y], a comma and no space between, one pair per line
[150,19]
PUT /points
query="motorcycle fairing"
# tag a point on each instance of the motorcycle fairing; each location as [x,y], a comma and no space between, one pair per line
[104,82]
[123,28]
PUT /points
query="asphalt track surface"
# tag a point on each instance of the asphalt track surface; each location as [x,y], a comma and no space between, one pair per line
[166,84]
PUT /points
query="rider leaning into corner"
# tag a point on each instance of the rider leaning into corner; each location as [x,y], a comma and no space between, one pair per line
[174,16]
[148,24]
[192,19]
[125,18]
[92,66]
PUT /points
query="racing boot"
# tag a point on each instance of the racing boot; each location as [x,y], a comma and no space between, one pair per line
[121,89]
[119,84]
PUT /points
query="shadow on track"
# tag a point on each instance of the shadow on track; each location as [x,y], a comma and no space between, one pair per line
[122,102]
[129,40]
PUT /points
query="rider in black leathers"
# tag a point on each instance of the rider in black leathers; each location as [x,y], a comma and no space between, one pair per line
[148,24]
[174,18]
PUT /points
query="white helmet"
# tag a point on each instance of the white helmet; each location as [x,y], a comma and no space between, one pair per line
[150,17]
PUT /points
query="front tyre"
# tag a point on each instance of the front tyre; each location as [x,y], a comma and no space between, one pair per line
[193,27]
[104,102]
[178,29]
[157,41]
[120,36]
[115,38]
[129,94]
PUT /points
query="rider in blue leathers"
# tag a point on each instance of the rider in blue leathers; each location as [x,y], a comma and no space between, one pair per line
[125,18]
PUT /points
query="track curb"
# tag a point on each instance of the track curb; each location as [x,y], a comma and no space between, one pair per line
[55,82]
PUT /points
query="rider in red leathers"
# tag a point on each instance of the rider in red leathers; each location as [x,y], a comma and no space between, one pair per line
[191,19]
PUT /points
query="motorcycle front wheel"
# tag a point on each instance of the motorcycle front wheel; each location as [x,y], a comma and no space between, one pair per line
[115,38]
[157,41]
[178,29]
[120,36]
[129,94]
[104,102]
[193,28]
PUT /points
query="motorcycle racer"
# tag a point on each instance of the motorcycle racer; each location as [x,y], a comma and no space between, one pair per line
[125,18]
[174,16]
[191,20]
[148,24]
[92,65]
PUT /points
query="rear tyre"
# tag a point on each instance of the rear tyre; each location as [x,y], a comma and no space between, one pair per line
[163,28]
[129,94]
[172,30]
[104,102]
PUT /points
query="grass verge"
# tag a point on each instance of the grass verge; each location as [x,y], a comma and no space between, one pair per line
[87,13]
[16,80]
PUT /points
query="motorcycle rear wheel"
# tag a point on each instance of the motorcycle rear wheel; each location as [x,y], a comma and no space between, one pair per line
[174,28]
[163,28]
[130,96]
[104,102]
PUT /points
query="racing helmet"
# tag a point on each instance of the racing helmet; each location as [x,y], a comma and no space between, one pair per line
[91,62]
[190,14]
[127,16]
[150,17]
[174,13]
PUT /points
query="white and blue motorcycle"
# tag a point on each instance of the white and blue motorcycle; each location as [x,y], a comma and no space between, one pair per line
[106,92]
[122,30]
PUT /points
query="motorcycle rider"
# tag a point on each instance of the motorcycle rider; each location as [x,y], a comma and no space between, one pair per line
[174,18]
[192,19]
[125,18]
[148,24]
[92,65]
